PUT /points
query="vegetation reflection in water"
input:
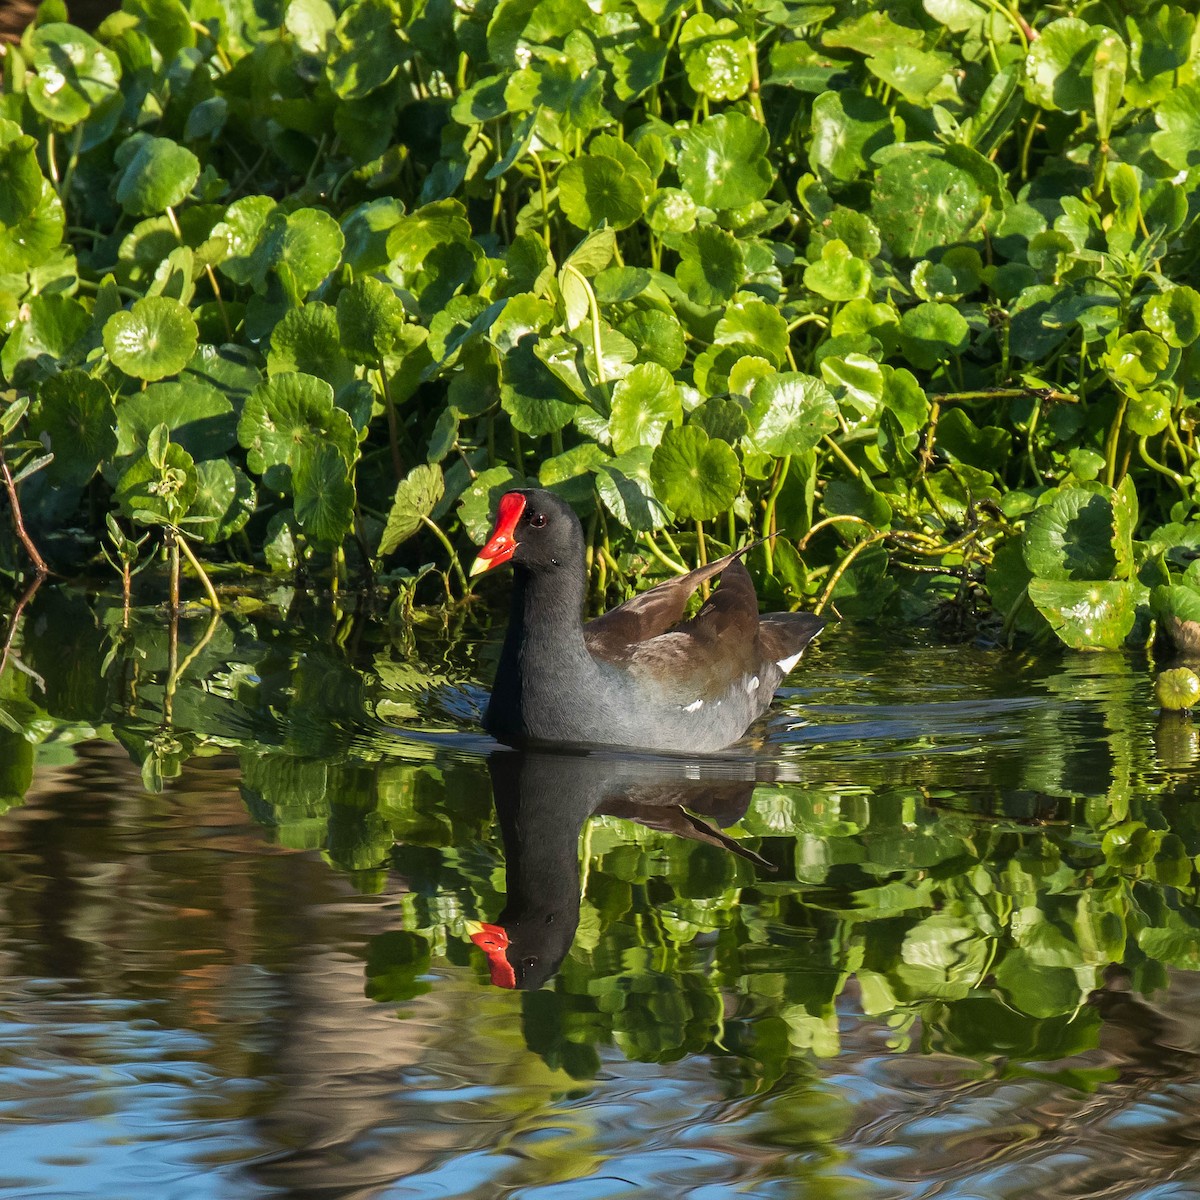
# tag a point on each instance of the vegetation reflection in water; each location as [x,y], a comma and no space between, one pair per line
[958,841]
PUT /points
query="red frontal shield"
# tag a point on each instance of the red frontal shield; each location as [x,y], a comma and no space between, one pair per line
[502,543]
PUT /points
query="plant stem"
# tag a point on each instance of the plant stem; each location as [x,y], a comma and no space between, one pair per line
[39,563]
[392,422]
[205,582]
[842,567]
[669,563]
[768,525]
[1114,437]
[441,537]
[171,539]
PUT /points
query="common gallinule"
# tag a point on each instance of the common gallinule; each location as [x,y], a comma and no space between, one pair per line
[639,676]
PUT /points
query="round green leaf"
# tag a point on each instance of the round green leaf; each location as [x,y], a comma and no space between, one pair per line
[671,210]
[1178,116]
[198,417]
[49,328]
[1138,359]
[287,412]
[790,412]
[1058,69]
[931,331]
[478,504]
[838,275]
[696,476]
[158,493]
[1087,616]
[1177,689]
[307,340]
[753,322]
[224,502]
[369,318]
[847,128]
[301,247]
[1148,412]
[239,234]
[76,417]
[153,339]
[417,494]
[723,163]
[920,202]
[75,74]
[644,403]
[1174,315]
[323,492]
[711,266]
[1071,537]
[659,336]
[367,48]
[595,189]
[627,491]
[24,182]
[719,68]
[158,176]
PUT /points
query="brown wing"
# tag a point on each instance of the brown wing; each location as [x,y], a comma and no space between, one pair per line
[652,613]
[701,658]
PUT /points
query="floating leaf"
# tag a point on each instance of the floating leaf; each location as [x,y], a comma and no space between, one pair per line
[417,495]
[153,339]
[697,476]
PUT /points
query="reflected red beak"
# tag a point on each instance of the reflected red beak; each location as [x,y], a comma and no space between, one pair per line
[502,543]
[493,941]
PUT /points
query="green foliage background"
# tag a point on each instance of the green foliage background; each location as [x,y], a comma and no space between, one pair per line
[303,281]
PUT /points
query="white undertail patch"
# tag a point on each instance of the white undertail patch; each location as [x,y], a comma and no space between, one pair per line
[786,664]
[695,706]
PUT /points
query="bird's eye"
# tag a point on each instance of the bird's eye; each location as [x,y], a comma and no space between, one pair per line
[537,520]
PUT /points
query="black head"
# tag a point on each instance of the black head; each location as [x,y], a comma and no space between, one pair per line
[535,528]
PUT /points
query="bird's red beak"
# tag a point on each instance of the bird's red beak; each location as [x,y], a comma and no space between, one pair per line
[493,941]
[502,543]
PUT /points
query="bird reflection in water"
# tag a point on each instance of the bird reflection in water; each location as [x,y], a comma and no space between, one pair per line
[544,798]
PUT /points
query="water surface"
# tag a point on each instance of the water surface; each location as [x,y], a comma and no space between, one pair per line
[931,931]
